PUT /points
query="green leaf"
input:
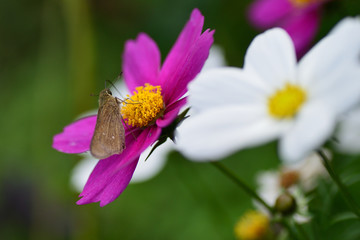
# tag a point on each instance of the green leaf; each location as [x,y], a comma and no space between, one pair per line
[346,216]
[169,131]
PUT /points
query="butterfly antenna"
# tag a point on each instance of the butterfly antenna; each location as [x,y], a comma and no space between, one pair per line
[118,77]
[108,81]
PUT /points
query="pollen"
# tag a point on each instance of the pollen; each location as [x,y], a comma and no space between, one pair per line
[143,107]
[286,102]
[252,226]
[303,3]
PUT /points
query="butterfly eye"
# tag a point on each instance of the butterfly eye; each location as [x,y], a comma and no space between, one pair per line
[108,91]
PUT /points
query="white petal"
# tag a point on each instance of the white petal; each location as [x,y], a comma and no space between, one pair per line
[348,134]
[341,90]
[120,89]
[216,58]
[146,170]
[331,69]
[271,56]
[312,128]
[219,132]
[224,86]
[269,188]
[87,114]
[81,172]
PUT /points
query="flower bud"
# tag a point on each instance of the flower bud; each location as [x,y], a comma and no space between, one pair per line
[286,204]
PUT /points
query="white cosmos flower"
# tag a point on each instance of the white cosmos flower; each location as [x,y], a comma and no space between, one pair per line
[348,134]
[274,97]
[269,189]
[296,179]
[145,170]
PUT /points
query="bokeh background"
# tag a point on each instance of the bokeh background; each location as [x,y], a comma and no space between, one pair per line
[53,55]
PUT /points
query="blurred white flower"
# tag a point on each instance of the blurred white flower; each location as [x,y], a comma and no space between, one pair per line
[269,189]
[348,134]
[274,97]
[145,170]
[296,179]
[216,58]
[81,172]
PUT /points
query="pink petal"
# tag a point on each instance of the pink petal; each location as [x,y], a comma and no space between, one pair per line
[186,58]
[267,13]
[76,137]
[171,113]
[302,29]
[141,62]
[113,188]
[112,175]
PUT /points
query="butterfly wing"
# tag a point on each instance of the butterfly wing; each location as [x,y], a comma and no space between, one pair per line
[109,134]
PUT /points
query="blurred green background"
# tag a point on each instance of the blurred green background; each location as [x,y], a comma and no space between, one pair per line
[53,55]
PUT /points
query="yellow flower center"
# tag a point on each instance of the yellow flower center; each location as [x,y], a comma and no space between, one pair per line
[286,102]
[303,3]
[144,107]
[252,226]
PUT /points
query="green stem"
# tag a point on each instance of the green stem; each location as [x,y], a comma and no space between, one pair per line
[347,196]
[292,232]
[242,185]
[301,230]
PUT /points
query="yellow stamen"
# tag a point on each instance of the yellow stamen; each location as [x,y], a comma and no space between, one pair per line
[303,3]
[144,107]
[286,102]
[252,226]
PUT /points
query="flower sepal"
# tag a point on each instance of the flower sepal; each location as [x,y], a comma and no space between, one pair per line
[169,131]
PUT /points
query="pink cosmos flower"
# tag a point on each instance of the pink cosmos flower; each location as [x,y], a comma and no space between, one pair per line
[160,91]
[300,19]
